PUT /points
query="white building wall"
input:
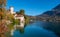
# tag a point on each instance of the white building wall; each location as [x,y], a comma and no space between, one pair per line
[12,10]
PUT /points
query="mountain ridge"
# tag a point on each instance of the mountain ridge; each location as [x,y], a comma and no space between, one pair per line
[52,15]
[54,11]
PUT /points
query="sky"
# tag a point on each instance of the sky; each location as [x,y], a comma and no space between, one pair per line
[32,7]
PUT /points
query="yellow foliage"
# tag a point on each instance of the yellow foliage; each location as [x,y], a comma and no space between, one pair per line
[3,2]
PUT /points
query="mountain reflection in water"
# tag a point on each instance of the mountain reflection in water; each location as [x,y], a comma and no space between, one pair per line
[39,29]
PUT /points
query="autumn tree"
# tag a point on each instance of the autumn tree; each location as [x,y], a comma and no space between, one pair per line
[3,27]
[2,3]
[2,8]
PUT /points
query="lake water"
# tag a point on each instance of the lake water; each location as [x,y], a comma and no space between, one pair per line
[39,29]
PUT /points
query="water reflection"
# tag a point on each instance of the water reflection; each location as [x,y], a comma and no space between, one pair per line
[37,29]
[21,30]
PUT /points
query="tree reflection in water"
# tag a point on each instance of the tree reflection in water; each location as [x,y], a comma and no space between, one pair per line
[21,30]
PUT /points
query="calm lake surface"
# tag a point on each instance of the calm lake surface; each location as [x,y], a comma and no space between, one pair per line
[39,29]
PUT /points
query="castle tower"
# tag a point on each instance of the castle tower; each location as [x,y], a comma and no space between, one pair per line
[12,10]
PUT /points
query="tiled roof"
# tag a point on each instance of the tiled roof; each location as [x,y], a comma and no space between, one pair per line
[18,15]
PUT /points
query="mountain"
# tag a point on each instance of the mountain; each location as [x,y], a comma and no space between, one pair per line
[55,11]
[57,7]
[53,14]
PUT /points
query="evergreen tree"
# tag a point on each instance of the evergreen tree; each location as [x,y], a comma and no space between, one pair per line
[22,12]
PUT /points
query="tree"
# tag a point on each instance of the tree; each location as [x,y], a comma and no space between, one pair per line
[3,27]
[26,19]
[2,3]
[22,12]
[2,8]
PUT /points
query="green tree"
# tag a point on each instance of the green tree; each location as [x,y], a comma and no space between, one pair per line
[26,19]
[22,12]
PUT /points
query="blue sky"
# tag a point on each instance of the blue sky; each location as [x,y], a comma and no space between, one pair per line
[32,7]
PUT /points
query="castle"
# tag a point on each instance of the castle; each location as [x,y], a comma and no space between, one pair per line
[12,10]
[17,16]
[20,17]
